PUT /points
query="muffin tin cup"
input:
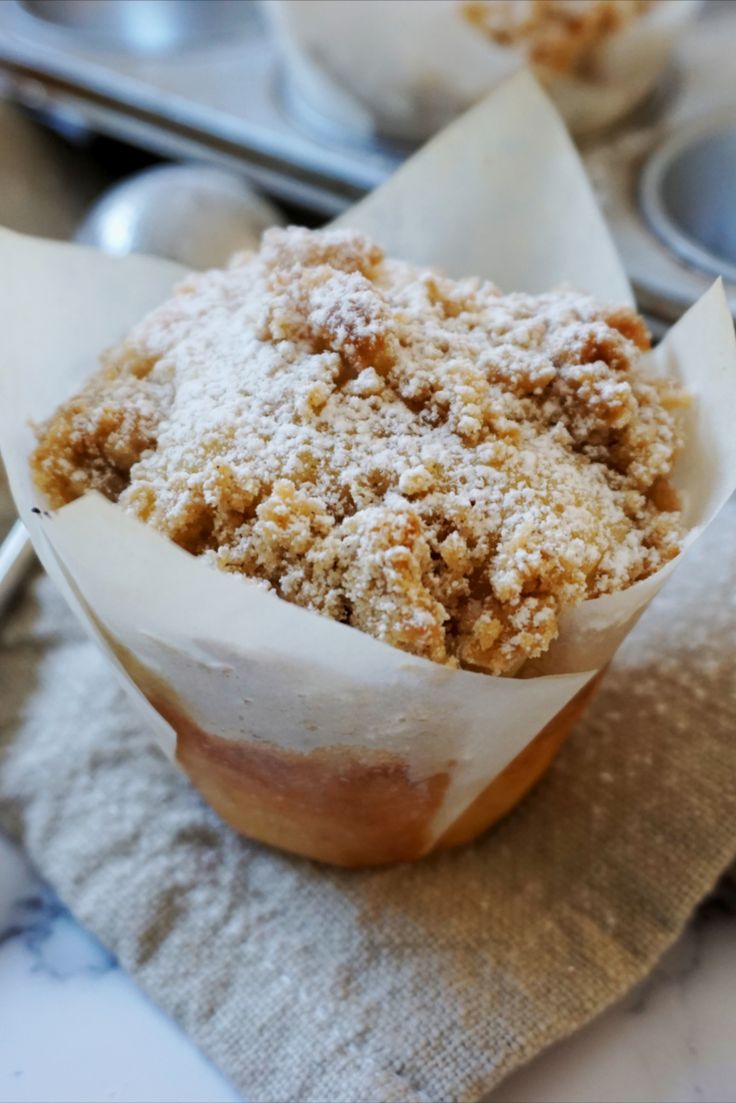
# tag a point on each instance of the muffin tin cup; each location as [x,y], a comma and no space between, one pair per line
[299,731]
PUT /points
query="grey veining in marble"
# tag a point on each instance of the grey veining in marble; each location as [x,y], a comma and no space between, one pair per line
[73,1027]
[54,942]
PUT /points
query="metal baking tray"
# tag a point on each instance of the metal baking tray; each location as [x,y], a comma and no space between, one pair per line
[199,79]
[184,79]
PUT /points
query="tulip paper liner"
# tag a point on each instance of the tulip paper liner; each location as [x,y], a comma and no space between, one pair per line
[499,194]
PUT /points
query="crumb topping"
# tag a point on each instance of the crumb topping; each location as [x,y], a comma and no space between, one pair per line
[562,35]
[436,463]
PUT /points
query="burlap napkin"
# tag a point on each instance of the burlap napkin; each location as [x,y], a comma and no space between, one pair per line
[416,983]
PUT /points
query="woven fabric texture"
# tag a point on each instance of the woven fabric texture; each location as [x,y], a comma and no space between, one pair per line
[422,983]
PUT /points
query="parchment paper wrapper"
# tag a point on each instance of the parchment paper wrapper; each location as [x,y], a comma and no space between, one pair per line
[403,69]
[301,731]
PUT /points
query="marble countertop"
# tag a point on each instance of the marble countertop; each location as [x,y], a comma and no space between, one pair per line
[74,1027]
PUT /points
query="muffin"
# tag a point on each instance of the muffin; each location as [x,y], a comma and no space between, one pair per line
[443,466]
[401,69]
[565,36]
[445,470]
[299,726]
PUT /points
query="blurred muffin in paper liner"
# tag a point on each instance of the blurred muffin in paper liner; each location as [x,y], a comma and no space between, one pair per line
[403,68]
[416,487]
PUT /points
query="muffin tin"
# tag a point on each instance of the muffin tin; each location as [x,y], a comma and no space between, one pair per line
[151,27]
[687,194]
[217,97]
[203,82]
[667,183]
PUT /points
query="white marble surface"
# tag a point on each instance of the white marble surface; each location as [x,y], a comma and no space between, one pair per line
[74,1027]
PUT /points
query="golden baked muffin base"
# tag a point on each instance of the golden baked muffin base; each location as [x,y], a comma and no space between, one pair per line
[349,807]
[523,772]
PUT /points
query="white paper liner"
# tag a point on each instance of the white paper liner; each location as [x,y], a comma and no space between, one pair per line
[404,68]
[500,194]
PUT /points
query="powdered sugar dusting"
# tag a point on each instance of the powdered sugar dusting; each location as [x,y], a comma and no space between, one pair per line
[429,460]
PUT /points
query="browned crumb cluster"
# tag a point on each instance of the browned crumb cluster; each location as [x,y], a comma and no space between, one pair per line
[438,464]
[562,35]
